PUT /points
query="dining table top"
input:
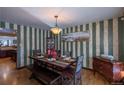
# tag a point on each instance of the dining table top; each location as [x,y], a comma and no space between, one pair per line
[56,63]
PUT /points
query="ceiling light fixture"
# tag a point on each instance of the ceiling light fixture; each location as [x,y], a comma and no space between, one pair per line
[56,30]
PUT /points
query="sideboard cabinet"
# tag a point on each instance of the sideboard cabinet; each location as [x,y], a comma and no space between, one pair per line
[111,70]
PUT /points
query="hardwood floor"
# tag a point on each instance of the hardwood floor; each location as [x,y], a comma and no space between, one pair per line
[88,78]
[9,75]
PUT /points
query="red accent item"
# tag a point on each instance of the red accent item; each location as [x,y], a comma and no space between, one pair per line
[48,51]
[53,53]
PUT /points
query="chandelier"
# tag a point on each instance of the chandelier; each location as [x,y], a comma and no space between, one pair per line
[56,30]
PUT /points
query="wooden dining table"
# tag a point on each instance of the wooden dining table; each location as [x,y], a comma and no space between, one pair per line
[60,63]
[55,67]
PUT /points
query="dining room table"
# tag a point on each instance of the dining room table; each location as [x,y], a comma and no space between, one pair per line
[48,69]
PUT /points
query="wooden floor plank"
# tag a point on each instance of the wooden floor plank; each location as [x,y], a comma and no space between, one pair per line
[9,75]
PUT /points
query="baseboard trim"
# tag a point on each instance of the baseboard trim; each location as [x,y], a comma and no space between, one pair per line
[87,68]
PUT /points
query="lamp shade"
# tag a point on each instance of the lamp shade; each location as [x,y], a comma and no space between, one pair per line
[56,30]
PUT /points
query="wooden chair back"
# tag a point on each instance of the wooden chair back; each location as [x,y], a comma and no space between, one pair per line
[37,52]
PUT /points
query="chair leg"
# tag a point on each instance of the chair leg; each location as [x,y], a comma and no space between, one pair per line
[81,81]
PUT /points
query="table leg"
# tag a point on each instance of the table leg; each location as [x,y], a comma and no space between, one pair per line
[32,76]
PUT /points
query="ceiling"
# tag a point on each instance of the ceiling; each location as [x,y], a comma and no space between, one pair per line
[19,16]
[43,17]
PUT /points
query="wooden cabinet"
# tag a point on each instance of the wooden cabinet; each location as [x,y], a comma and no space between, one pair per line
[110,70]
[3,53]
[9,53]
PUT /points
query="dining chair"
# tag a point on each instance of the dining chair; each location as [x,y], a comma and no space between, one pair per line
[73,75]
[37,52]
[68,54]
[59,53]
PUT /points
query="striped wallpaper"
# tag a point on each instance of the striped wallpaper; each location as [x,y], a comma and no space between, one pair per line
[28,39]
[106,37]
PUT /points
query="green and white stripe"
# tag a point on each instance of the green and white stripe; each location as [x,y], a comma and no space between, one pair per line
[94,38]
[97,39]
[81,42]
[45,33]
[30,40]
[75,45]
[33,39]
[37,38]
[22,45]
[65,43]
[115,38]
[18,46]
[42,40]
[25,45]
[101,37]
[87,47]
[90,46]
[121,38]
[69,43]
[62,43]
[74,53]
[28,44]
[71,30]
[84,49]
[110,37]
[59,43]
[78,43]
[106,37]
